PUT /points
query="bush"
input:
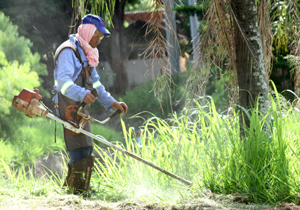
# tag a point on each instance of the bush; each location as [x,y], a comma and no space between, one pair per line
[34,139]
[108,134]
[144,102]
[19,69]
[205,148]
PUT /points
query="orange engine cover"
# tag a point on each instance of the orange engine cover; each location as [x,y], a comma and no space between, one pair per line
[28,102]
[72,116]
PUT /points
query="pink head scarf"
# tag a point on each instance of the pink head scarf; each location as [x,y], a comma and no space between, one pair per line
[85,33]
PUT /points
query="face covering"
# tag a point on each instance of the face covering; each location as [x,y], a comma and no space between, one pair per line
[84,34]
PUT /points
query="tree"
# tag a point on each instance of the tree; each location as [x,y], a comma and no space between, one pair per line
[237,40]
[13,78]
[250,66]
[46,25]
[116,50]
[286,30]
[171,34]
[190,11]
[19,69]
[195,36]
[17,48]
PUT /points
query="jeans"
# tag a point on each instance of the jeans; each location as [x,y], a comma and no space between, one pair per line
[78,154]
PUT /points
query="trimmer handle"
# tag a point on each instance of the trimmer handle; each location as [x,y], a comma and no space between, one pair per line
[95,92]
[115,114]
[87,117]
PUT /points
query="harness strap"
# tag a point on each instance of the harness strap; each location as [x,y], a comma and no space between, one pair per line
[67,44]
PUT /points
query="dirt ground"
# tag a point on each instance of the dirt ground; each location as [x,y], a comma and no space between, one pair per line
[72,202]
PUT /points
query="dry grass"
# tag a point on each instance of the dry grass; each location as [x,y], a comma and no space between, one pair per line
[56,201]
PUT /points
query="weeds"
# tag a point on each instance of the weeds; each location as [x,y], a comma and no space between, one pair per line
[205,147]
[202,146]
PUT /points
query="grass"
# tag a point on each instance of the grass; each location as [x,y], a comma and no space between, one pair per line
[107,133]
[24,191]
[205,147]
[201,146]
[36,139]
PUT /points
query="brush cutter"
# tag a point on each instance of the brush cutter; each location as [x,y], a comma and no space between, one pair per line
[29,102]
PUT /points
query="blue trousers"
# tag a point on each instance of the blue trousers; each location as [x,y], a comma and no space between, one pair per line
[78,154]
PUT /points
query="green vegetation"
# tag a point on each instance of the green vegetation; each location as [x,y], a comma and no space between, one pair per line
[108,134]
[18,54]
[35,138]
[140,5]
[196,143]
[19,68]
[32,18]
[142,98]
[204,147]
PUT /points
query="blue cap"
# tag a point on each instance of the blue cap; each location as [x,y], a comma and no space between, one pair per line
[97,21]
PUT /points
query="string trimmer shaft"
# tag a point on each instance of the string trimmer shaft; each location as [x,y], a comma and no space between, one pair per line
[28,102]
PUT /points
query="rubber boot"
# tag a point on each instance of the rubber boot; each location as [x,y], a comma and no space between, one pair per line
[67,177]
[79,178]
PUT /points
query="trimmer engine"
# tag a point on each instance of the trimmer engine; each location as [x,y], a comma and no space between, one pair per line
[28,102]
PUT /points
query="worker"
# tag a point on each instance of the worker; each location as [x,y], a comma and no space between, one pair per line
[74,76]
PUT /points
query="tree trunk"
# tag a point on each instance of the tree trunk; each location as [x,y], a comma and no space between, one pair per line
[118,56]
[252,80]
[171,34]
[194,26]
[297,82]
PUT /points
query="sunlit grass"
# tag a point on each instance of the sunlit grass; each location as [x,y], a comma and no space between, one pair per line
[205,147]
[199,145]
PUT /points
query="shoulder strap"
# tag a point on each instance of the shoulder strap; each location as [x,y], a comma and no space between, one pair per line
[66,44]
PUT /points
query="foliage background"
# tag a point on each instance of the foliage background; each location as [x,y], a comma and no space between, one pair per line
[199,144]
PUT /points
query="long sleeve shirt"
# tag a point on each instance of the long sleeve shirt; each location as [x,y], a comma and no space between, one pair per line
[67,70]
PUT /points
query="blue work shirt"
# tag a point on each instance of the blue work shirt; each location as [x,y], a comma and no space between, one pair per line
[67,70]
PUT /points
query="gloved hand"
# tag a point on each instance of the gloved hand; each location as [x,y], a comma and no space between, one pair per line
[89,98]
[121,106]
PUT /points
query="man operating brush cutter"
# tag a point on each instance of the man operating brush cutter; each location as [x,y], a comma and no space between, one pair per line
[77,85]
[29,102]
[75,76]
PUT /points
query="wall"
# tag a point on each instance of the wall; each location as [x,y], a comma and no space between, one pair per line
[139,71]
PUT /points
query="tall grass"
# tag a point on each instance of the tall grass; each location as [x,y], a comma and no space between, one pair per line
[33,139]
[205,147]
[36,138]
[23,181]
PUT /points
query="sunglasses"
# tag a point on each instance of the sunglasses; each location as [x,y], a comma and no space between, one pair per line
[99,37]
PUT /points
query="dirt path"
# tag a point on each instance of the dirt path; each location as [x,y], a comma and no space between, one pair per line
[68,202]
